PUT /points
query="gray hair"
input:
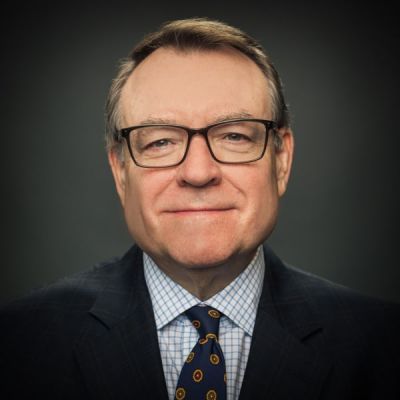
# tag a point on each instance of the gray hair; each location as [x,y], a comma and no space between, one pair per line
[186,35]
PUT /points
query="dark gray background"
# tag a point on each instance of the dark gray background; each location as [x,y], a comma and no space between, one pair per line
[60,213]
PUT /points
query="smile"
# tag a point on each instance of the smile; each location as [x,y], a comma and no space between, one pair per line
[199,211]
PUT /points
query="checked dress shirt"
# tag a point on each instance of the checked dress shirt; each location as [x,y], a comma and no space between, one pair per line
[177,336]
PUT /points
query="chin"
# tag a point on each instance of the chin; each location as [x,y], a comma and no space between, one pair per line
[209,255]
[201,262]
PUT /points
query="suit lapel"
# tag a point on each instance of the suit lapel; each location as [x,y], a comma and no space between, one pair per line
[287,358]
[119,353]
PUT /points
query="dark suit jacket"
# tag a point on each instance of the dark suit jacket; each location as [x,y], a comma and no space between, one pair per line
[93,336]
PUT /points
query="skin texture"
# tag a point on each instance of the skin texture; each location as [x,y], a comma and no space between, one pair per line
[200,221]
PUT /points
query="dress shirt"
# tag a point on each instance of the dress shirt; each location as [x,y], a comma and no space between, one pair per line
[177,336]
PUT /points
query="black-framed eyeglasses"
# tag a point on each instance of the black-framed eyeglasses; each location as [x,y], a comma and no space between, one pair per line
[236,141]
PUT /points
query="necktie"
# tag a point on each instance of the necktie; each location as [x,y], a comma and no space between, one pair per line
[203,374]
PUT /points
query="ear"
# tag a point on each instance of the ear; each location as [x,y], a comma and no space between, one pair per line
[283,159]
[119,172]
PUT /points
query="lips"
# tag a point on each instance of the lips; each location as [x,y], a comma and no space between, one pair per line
[193,206]
[202,212]
[200,209]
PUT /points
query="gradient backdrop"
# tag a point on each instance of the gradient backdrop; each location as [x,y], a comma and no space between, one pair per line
[60,213]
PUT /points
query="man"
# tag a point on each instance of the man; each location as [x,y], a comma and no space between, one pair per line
[200,147]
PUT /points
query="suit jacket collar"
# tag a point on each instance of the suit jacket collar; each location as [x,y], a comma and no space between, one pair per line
[119,353]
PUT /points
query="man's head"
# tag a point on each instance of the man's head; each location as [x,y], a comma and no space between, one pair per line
[200,213]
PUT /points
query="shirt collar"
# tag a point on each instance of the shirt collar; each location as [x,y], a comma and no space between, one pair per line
[238,301]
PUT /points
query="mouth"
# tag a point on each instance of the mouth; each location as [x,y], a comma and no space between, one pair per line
[199,211]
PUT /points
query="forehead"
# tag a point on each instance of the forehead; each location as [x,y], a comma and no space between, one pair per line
[194,87]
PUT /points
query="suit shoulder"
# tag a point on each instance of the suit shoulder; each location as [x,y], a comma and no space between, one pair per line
[328,293]
[73,293]
[332,302]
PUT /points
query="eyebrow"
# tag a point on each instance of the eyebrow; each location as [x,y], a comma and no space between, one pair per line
[219,118]
[233,115]
[155,120]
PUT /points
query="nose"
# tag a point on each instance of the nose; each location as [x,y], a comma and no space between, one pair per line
[199,169]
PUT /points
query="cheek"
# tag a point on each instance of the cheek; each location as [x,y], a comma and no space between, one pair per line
[261,194]
[143,189]
[263,198]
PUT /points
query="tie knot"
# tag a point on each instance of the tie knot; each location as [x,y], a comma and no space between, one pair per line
[206,320]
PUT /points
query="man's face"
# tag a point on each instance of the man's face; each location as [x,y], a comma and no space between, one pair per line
[200,213]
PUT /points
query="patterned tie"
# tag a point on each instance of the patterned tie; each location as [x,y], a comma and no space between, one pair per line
[203,373]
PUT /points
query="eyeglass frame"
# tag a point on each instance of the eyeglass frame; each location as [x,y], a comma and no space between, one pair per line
[124,133]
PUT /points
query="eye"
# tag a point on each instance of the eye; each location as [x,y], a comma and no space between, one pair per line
[236,137]
[159,143]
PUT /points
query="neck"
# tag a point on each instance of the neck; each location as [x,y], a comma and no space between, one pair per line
[205,281]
